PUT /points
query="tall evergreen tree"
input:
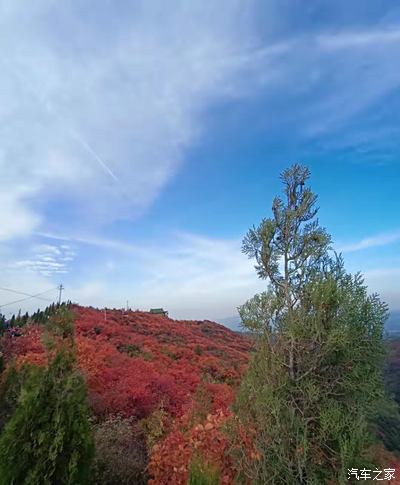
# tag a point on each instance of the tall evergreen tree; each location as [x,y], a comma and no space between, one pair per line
[315,378]
[2,325]
[48,439]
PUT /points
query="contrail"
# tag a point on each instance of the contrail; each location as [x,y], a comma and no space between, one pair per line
[44,101]
[94,154]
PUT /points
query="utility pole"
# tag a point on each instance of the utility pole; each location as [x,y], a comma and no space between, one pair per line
[60,289]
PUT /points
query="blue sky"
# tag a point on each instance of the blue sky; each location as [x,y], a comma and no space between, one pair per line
[140,141]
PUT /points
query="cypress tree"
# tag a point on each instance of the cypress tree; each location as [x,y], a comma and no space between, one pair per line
[315,379]
[48,439]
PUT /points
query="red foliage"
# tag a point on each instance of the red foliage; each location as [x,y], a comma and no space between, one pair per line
[28,342]
[136,362]
[171,458]
[209,441]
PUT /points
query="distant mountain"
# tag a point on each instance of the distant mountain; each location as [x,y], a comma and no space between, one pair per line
[393,323]
[231,322]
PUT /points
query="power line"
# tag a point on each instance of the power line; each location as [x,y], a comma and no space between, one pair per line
[22,293]
[28,298]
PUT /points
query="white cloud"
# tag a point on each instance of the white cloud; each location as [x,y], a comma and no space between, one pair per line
[98,108]
[32,270]
[45,260]
[371,242]
[320,79]
[193,276]
[366,38]
[97,114]
[355,70]
[17,219]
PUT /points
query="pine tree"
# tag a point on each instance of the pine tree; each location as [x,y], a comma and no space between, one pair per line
[12,321]
[2,324]
[48,439]
[315,379]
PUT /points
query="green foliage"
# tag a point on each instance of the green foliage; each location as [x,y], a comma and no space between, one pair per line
[42,316]
[10,389]
[201,474]
[172,355]
[134,350]
[388,427]
[202,404]
[387,423]
[2,324]
[314,383]
[154,426]
[48,438]
[12,321]
[121,456]
[61,323]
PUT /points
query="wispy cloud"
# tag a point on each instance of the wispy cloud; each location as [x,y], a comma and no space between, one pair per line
[331,75]
[194,276]
[98,108]
[360,38]
[48,260]
[100,118]
[92,241]
[371,242]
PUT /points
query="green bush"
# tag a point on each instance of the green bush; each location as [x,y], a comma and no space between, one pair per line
[201,474]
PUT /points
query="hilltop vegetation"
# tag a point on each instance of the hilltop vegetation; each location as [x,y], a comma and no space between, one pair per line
[148,377]
[134,360]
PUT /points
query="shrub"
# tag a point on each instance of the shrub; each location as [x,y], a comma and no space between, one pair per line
[121,456]
[155,426]
[201,474]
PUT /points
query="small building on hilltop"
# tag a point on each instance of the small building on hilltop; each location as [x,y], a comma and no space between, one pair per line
[159,311]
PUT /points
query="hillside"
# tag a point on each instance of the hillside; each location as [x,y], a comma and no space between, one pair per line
[162,377]
[162,386]
[133,361]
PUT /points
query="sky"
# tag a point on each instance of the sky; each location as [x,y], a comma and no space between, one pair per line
[139,140]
